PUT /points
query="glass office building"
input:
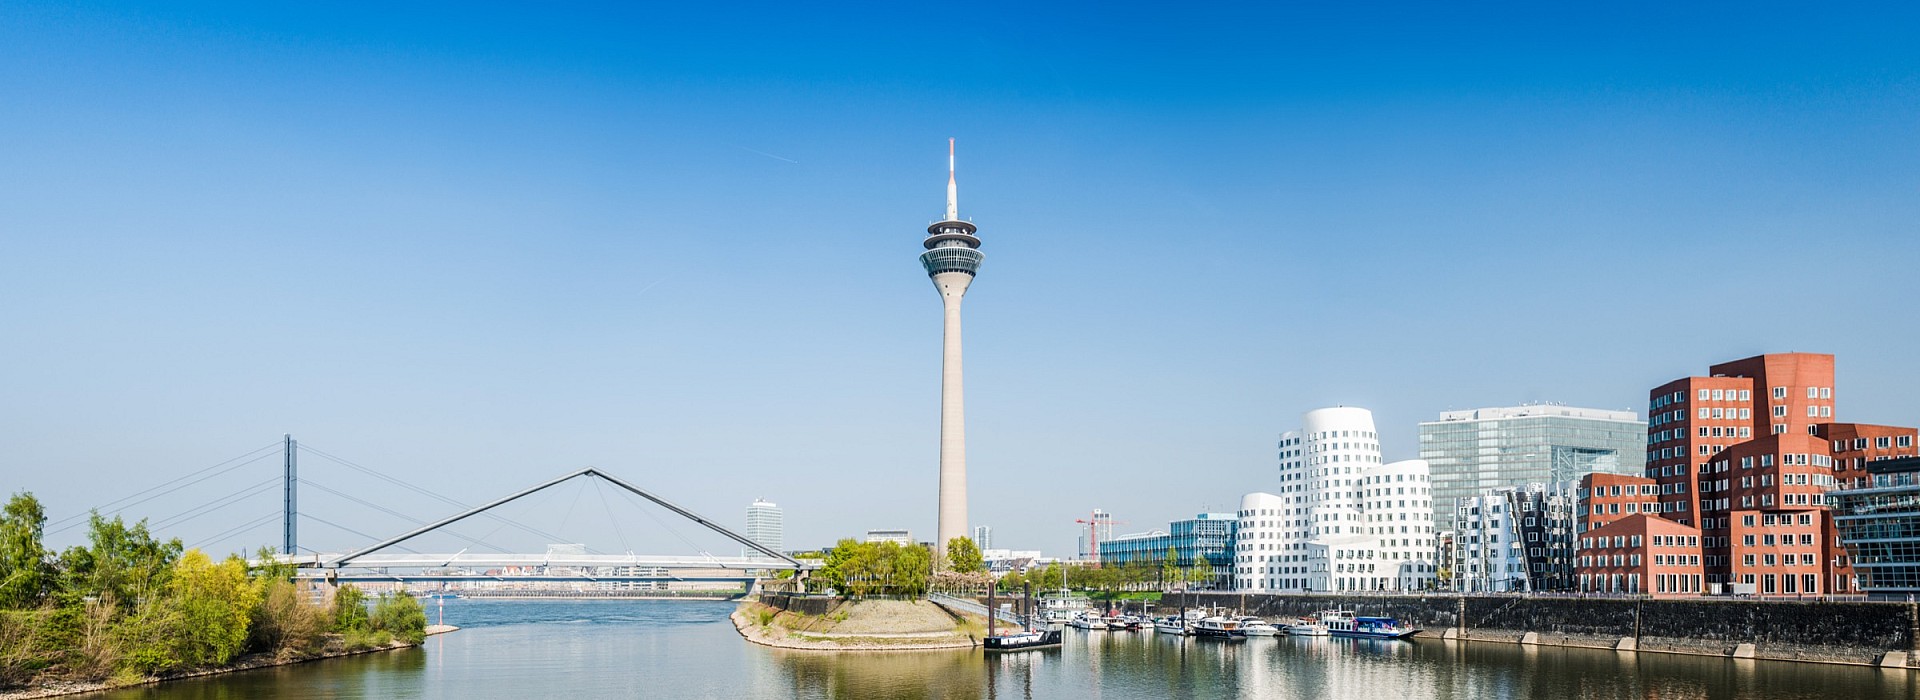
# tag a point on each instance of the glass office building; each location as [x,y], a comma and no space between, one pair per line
[1472,452]
[1207,536]
[1879,524]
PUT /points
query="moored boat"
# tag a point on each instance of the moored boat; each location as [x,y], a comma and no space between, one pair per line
[1017,641]
[1171,624]
[1091,622]
[1219,628]
[1257,627]
[1345,624]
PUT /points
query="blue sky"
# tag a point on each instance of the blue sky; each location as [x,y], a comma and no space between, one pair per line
[474,247]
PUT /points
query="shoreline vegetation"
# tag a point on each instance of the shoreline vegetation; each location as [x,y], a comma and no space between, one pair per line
[130,609]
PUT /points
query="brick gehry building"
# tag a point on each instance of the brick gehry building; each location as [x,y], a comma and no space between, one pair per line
[1745,457]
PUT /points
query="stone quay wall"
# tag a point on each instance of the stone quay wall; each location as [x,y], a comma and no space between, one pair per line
[799,603]
[1840,632]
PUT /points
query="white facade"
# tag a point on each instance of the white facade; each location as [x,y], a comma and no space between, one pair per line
[982,537]
[766,526]
[1487,547]
[1342,520]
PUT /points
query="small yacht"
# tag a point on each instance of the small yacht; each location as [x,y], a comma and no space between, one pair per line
[1257,627]
[1342,623]
[1089,621]
[1307,627]
[1219,628]
[1171,624]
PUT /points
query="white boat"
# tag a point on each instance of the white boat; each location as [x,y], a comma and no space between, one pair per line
[1257,627]
[1091,622]
[1219,628]
[1171,625]
[1307,628]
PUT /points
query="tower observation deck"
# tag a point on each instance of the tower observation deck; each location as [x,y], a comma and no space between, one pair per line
[951,259]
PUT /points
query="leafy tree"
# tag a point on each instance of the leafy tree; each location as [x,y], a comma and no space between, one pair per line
[400,615]
[963,556]
[25,574]
[1202,573]
[1170,569]
[120,563]
[350,610]
[833,569]
[213,605]
[912,568]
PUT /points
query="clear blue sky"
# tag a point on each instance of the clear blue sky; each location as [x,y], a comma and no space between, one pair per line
[477,246]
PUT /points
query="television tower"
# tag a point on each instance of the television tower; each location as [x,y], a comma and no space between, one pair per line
[952,257]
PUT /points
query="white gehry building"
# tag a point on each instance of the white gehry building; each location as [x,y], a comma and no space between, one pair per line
[1343,519]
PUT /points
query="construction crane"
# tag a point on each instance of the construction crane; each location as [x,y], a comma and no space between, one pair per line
[1093,523]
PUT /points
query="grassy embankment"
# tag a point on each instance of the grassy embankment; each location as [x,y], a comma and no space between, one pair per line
[863,625]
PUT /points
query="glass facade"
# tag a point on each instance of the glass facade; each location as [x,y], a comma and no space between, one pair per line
[1472,452]
[1879,524]
[1206,536]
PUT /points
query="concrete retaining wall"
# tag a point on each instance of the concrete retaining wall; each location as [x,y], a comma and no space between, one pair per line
[1850,632]
[799,603]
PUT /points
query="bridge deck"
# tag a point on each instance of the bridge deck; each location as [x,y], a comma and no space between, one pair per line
[473,560]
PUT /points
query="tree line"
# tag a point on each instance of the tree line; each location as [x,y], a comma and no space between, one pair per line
[859,569]
[128,606]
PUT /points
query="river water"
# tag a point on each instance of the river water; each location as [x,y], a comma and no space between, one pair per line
[577,650]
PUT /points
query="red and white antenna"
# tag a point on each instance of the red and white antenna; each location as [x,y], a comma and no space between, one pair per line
[953,190]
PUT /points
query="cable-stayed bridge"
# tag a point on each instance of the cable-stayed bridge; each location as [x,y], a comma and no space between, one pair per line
[392,560]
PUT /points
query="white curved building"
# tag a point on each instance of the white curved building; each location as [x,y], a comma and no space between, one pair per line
[1343,520]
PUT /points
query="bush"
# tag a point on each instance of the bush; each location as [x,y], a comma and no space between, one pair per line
[287,623]
[400,615]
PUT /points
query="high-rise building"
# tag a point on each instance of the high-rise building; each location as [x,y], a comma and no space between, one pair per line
[1342,520]
[1471,452]
[766,526]
[1747,455]
[982,537]
[951,259]
[1099,529]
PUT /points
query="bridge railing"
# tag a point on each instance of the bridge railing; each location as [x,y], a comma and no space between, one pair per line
[972,606]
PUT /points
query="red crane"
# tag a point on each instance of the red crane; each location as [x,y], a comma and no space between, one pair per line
[1093,531]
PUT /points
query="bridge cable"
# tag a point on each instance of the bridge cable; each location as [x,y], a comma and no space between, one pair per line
[579,490]
[392,512]
[600,490]
[330,523]
[262,520]
[215,504]
[74,521]
[550,537]
[644,510]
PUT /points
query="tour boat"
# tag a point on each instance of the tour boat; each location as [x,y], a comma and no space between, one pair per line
[1171,625]
[1219,628]
[1345,624]
[1257,627]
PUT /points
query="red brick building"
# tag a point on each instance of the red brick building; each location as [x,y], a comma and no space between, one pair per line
[1604,498]
[1746,455]
[1640,554]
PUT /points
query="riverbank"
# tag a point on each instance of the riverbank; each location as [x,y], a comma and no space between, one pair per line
[1874,634]
[251,662]
[866,625]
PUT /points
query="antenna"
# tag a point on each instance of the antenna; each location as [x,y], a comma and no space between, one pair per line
[953,190]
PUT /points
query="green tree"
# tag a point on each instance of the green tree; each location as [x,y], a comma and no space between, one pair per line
[963,556]
[398,614]
[121,563]
[833,568]
[212,605]
[1170,568]
[1202,573]
[25,573]
[912,570]
[350,610]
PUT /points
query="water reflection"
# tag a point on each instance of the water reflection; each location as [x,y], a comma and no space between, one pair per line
[680,649]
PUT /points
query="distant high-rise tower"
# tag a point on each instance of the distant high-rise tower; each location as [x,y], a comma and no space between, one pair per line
[767,526]
[952,257]
[983,537]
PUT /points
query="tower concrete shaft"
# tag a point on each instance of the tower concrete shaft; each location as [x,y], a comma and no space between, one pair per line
[951,259]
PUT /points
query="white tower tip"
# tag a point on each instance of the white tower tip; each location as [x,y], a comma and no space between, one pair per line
[953,190]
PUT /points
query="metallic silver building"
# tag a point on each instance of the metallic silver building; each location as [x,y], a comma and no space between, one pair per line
[951,259]
[1471,452]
